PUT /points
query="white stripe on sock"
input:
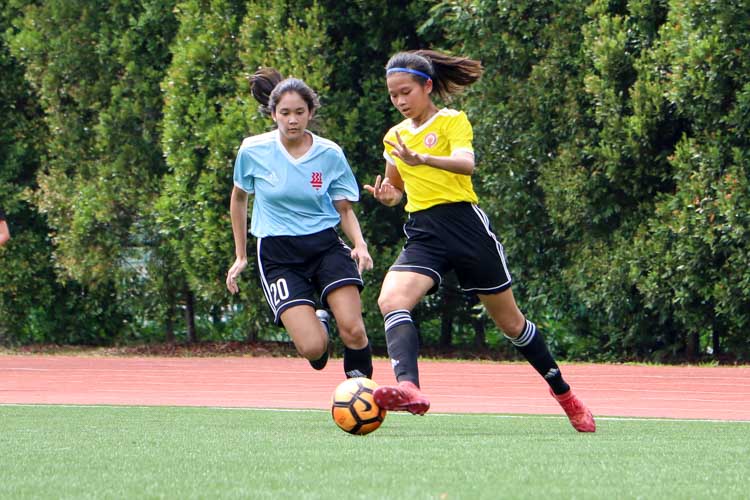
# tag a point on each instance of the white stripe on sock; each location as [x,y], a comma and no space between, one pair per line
[526,336]
[397,317]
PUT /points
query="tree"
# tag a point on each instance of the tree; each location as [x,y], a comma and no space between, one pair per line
[615,148]
[27,283]
[96,69]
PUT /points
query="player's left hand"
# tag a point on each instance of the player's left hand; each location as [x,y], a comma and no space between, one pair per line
[402,152]
[362,257]
[233,273]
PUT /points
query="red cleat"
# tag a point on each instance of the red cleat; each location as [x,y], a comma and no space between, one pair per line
[405,396]
[580,417]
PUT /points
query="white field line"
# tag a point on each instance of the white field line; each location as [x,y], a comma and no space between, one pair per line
[449,415]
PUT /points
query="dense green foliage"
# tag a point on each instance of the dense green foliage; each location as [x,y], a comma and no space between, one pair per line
[612,141]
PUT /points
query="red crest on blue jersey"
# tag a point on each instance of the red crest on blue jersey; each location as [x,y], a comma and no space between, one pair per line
[317,180]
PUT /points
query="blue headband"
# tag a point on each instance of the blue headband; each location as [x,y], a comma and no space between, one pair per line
[409,70]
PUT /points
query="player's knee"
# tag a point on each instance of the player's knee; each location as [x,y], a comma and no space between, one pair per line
[512,326]
[388,303]
[312,351]
[354,336]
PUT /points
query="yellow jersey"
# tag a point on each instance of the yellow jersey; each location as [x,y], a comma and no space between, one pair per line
[446,133]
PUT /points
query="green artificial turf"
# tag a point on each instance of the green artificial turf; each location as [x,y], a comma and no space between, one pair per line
[166,452]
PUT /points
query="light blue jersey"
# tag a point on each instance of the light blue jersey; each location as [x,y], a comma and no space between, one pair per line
[293,196]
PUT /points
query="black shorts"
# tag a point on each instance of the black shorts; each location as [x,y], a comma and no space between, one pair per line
[294,269]
[455,236]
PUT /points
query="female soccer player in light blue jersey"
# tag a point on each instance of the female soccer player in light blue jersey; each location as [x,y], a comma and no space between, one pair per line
[303,188]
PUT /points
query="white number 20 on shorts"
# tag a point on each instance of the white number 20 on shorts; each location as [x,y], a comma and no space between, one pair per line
[279,291]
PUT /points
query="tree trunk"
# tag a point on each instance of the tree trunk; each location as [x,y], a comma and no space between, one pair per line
[216,320]
[715,338]
[692,346]
[717,327]
[169,320]
[169,333]
[252,335]
[479,333]
[446,328]
[192,336]
[417,321]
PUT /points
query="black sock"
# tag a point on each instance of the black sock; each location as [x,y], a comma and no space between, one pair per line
[403,345]
[321,362]
[533,347]
[358,362]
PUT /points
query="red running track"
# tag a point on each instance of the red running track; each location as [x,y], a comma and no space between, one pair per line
[721,393]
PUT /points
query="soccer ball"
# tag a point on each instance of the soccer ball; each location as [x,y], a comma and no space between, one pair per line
[354,409]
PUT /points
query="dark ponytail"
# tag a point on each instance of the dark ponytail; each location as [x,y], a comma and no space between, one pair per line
[267,86]
[449,74]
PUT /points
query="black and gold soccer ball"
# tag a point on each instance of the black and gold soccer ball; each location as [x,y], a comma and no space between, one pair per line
[353,407]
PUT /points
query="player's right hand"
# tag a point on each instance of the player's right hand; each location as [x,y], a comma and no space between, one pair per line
[233,273]
[385,192]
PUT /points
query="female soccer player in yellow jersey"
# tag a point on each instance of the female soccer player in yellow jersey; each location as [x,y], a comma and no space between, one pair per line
[429,157]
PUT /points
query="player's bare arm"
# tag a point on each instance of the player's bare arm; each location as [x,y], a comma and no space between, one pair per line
[238,214]
[388,189]
[352,230]
[459,163]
